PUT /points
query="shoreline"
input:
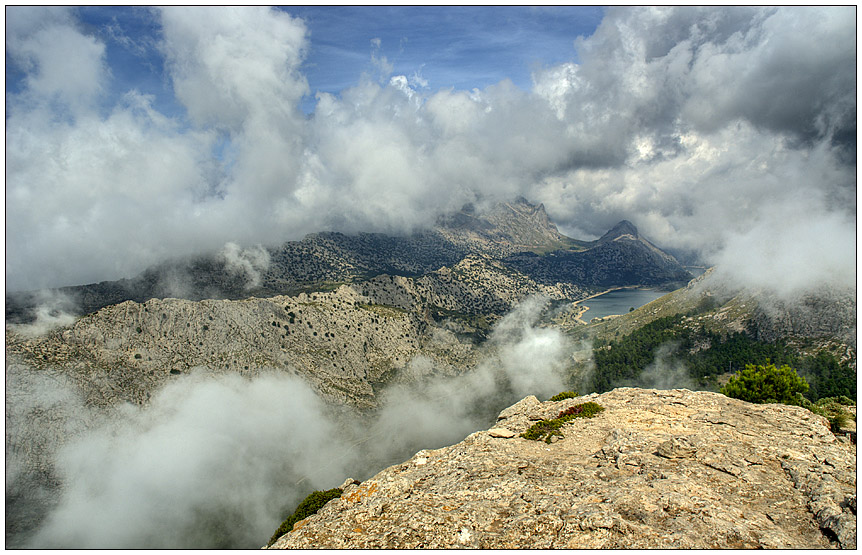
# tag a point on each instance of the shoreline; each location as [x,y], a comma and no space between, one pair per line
[581,310]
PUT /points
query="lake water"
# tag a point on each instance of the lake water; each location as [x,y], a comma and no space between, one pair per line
[618,302]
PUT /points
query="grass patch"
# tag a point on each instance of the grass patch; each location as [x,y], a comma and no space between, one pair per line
[546,429]
[564,395]
[309,506]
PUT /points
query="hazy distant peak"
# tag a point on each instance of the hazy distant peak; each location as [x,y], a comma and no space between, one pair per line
[625,227]
[518,222]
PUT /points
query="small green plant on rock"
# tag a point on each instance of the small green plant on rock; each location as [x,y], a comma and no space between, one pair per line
[564,395]
[309,506]
[546,429]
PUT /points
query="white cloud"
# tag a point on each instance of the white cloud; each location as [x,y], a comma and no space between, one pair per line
[98,197]
[685,121]
[218,460]
[208,451]
[793,248]
[417,81]
[248,263]
[234,66]
[65,69]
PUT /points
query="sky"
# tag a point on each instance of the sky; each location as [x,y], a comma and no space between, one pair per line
[137,134]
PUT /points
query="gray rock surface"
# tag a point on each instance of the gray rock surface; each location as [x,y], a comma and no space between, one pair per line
[346,343]
[656,469]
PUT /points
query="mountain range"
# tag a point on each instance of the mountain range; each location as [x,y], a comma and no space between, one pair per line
[518,234]
[470,314]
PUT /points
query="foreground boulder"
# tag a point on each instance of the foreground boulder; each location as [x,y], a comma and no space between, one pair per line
[655,469]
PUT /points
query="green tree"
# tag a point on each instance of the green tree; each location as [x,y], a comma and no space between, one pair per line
[767,384]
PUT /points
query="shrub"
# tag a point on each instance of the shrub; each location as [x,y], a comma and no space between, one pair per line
[585,410]
[767,384]
[832,408]
[546,429]
[309,506]
[564,395]
[841,399]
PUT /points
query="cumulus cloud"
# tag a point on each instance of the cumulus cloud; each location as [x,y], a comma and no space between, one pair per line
[65,68]
[95,196]
[219,460]
[693,123]
[211,462]
[713,126]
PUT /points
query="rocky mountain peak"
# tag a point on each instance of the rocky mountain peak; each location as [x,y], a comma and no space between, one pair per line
[509,226]
[623,228]
[654,469]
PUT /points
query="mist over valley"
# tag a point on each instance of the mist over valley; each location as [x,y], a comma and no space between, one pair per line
[254,252]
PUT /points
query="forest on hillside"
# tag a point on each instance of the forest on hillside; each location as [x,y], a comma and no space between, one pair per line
[707,356]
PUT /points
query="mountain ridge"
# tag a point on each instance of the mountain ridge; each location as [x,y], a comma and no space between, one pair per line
[623,228]
[510,232]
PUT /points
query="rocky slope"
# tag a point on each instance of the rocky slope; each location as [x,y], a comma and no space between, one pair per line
[655,469]
[347,343]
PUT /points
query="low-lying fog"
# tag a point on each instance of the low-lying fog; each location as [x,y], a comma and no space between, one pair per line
[220,461]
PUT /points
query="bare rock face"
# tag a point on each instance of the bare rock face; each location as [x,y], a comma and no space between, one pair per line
[346,343]
[655,469]
[340,342]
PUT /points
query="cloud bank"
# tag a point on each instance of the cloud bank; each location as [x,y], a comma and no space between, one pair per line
[218,461]
[700,125]
[211,462]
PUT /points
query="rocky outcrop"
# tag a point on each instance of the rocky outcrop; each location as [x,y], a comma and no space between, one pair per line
[655,469]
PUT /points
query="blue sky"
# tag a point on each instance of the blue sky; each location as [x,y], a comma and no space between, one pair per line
[463,47]
[137,134]
[460,47]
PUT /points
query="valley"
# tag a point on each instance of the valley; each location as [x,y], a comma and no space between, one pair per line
[466,319]
[494,277]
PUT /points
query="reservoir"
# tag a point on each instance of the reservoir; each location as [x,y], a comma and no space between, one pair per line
[618,302]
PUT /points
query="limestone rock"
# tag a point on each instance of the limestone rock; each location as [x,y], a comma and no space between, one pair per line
[344,343]
[676,448]
[347,343]
[656,469]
